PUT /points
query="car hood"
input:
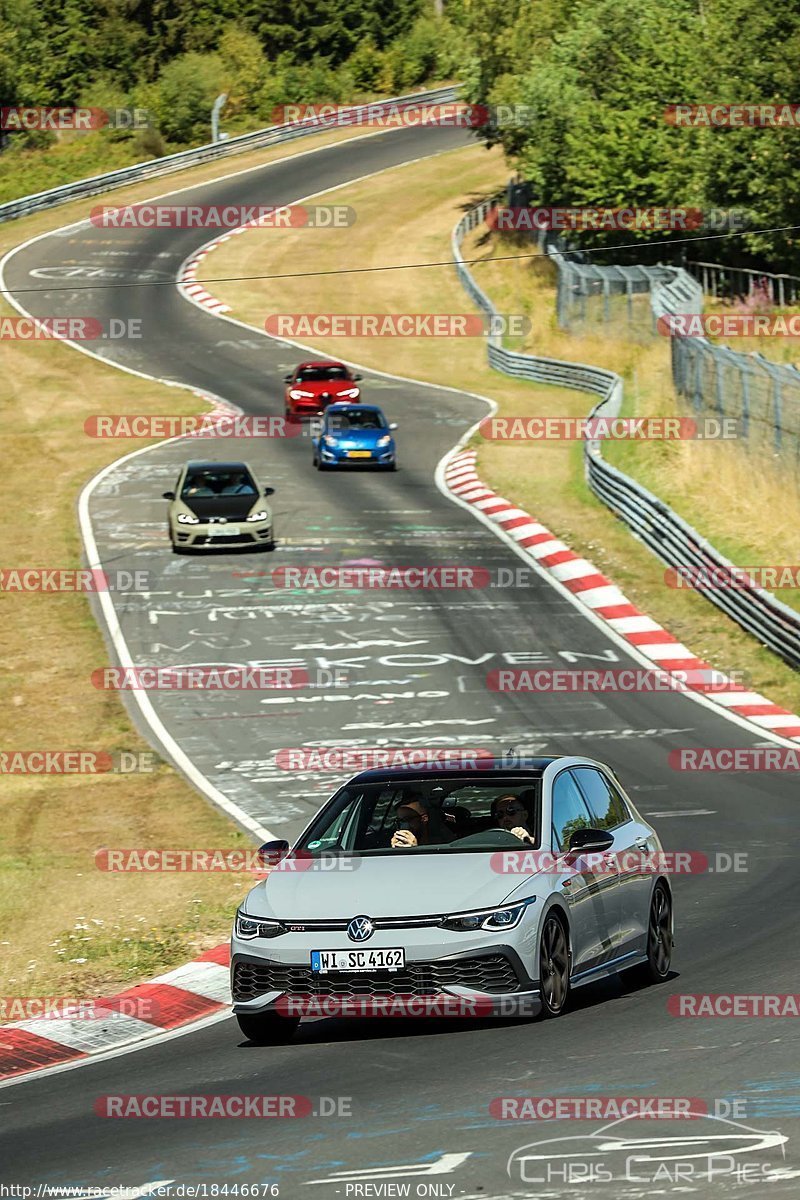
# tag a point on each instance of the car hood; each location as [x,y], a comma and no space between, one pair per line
[332,386]
[235,508]
[354,439]
[402,885]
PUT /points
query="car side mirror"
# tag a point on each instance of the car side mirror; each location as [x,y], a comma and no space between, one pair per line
[393,424]
[590,841]
[287,378]
[271,853]
[269,491]
[358,378]
[168,495]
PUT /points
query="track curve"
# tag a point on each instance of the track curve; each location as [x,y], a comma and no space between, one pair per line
[415,667]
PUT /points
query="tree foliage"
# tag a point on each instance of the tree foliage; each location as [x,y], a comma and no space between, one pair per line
[598,75]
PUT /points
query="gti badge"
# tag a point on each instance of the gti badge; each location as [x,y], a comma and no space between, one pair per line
[359,929]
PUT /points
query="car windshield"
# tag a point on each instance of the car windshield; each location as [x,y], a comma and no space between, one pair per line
[463,816]
[208,482]
[321,374]
[356,418]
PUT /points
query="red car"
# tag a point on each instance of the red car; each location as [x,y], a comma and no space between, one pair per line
[315,385]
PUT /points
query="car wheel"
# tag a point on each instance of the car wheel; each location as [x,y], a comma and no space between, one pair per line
[267,1029]
[659,939]
[553,966]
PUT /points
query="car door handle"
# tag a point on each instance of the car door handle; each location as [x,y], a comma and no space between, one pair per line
[641,844]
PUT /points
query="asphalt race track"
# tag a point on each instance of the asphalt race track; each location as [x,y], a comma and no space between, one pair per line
[412,668]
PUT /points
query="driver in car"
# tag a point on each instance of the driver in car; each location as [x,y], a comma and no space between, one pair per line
[510,813]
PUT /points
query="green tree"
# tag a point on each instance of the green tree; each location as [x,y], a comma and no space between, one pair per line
[187,88]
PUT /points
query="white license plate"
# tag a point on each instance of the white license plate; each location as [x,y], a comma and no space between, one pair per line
[224,531]
[357,960]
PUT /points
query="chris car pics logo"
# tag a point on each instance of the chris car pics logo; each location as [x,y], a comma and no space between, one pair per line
[654,1155]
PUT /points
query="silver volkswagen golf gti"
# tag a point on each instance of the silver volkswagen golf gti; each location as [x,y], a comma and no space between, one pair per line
[453,891]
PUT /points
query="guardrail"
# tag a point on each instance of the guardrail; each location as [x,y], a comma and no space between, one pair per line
[211,152]
[654,523]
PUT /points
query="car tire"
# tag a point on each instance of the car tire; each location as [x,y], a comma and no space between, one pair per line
[267,1029]
[659,939]
[553,966]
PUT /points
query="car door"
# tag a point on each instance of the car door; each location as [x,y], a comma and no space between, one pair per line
[609,811]
[590,889]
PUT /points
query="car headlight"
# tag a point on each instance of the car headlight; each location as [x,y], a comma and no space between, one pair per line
[188,519]
[495,919]
[385,440]
[329,441]
[298,394]
[248,928]
[261,515]
[349,392]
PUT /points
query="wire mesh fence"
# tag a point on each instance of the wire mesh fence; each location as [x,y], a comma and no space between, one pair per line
[762,396]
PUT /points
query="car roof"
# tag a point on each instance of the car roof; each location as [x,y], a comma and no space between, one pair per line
[202,465]
[343,406]
[321,362]
[524,768]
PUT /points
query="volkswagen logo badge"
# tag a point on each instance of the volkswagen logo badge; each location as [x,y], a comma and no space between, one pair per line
[359,929]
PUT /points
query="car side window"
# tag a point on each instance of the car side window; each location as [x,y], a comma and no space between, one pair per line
[569,810]
[606,805]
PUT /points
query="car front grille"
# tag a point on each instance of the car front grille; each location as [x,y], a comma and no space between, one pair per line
[241,539]
[491,973]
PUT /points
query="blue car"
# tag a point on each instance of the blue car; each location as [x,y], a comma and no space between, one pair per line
[353,435]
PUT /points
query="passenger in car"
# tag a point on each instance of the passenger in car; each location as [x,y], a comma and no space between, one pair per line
[419,825]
